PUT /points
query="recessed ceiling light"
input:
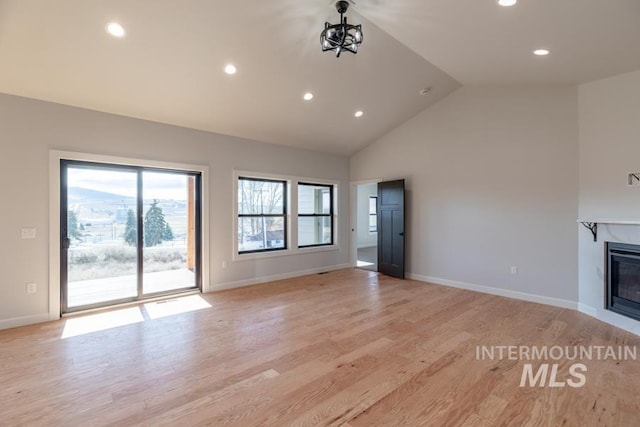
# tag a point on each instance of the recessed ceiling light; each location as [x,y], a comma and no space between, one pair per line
[230,69]
[115,29]
[541,52]
[308,96]
[358,113]
[507,2]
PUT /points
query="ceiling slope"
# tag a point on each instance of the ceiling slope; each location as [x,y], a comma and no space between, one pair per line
[169,68]
[480,43]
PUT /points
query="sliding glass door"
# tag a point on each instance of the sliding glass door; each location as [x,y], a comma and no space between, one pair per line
[127,233]
[168,230]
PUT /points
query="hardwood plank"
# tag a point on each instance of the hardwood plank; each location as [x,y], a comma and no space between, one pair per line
[349,348]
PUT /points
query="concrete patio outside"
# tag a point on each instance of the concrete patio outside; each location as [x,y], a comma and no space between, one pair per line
[86,292]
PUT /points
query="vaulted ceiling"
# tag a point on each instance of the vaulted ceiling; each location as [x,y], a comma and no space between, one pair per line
[169,66]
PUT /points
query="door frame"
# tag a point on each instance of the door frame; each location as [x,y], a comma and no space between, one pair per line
[353,223]
[56,156]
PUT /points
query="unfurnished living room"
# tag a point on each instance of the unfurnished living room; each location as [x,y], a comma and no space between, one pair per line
[320,212]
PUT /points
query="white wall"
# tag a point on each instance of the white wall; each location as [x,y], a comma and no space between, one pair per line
[364,237]
[609,117]
[492,182]
[30,128]
[609,112]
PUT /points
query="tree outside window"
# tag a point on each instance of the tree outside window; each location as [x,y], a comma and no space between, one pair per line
[261,215]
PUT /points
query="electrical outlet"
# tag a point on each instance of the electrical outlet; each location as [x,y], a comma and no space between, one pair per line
[31,288]
[514,270]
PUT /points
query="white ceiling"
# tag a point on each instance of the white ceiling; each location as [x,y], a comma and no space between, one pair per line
[169,67]
[480,43]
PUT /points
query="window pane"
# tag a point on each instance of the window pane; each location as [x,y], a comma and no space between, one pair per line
[101,225]
[260,233]
[314,230]
[260,197]
[373,208]
[168,234]
[373,216]
[373,226]
[314,199]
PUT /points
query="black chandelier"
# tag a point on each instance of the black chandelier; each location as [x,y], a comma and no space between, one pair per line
[342,36]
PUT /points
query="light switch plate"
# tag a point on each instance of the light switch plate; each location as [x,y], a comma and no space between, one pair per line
[28,233]
[633,179]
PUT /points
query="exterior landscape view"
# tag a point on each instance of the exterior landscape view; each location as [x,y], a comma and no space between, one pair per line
[102,228]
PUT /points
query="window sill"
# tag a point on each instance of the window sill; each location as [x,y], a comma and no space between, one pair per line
[311,249]
[259,255]
[283,253]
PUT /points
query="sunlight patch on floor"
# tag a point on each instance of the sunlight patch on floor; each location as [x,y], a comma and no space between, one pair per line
[364,263]
[90,323]
[170,307]
[101,321]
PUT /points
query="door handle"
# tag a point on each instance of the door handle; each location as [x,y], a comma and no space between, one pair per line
[401,234]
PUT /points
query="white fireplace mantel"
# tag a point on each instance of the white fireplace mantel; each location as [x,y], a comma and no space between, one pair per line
[610,221]
[592,224]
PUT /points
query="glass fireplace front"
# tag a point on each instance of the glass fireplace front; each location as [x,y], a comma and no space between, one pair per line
[623,279]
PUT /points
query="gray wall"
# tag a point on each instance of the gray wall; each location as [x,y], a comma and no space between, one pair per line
[30,128]
[496,177]
[610,147]
[492,182]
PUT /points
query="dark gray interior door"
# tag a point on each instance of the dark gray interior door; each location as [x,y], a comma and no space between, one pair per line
[391,228]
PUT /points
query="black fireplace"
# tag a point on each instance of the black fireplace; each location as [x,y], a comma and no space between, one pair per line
[623,279]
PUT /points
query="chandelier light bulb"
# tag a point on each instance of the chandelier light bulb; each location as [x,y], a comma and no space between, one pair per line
[115,29]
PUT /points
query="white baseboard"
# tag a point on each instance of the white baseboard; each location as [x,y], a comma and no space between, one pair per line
[614,319]
[265,279]
[586,309]
[23,321]
[556,302]
[619,321]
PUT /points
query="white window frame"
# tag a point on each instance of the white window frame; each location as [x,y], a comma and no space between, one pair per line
[290,219]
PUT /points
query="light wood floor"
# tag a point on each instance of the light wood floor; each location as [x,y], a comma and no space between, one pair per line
[344,348]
